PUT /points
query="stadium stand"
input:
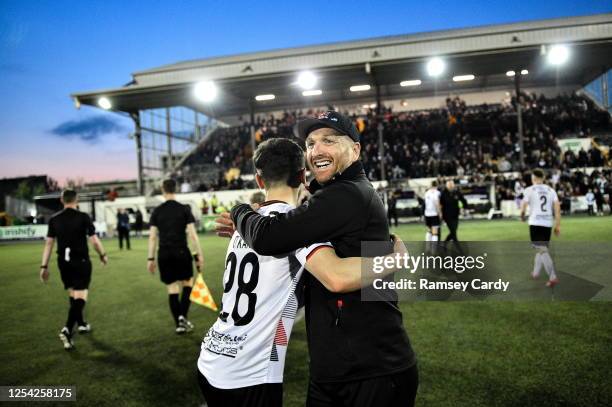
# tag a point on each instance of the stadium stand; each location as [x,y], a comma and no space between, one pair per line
[455,140]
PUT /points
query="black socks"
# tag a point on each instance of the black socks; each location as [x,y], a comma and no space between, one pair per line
[79,305]
[71,319]
[185,301]
[75,313]
[175,306]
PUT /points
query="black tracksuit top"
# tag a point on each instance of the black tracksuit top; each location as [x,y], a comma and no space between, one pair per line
[347,339]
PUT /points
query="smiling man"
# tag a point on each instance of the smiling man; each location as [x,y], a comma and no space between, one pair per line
[360,354]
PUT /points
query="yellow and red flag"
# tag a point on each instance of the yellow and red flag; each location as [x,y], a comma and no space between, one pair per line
[200,294]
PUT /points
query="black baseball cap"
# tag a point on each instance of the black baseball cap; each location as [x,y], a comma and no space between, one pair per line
[331,119]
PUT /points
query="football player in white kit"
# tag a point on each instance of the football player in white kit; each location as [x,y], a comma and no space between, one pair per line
[433,212]
[243,354]
[544,213]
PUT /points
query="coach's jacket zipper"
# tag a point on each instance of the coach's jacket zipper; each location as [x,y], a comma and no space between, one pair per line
[339,304]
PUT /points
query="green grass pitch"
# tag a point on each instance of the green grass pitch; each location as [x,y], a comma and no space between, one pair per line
[470,353]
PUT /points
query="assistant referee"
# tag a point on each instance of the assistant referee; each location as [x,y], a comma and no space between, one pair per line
[170,223]
[360,354]
[71,228]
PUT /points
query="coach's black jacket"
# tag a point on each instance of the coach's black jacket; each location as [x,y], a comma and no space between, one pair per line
[369,339]
[450,204]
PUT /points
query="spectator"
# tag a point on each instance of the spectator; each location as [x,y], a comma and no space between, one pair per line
[138,223]
[185,187]
[123,228]
[590,199]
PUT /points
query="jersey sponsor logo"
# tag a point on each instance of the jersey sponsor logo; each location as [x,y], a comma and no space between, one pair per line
[223,344]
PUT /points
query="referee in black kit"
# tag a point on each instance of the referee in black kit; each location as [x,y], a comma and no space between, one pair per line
[172,222]
[360,354]
[71,228]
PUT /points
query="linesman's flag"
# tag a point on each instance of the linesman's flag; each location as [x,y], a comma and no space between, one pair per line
[200,294]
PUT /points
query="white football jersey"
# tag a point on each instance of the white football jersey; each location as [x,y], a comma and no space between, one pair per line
[247,344]
[432,198]
[590,198]
[541,199]
[518,188]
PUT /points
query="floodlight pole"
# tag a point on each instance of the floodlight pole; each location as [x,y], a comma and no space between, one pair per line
[519,117]
[604,88]
[252,112]
[170,160]
[380,128]
[138,138]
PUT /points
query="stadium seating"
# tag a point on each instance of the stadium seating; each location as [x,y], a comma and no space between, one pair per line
[455,140]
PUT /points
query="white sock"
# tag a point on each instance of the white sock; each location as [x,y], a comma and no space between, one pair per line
[428,237]
[537,265]
[434,238]
[549,266]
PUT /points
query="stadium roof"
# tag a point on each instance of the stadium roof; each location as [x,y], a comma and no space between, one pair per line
[486,52]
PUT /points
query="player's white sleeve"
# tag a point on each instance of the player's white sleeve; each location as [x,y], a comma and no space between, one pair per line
[305,252]
[555,196]
[527,194]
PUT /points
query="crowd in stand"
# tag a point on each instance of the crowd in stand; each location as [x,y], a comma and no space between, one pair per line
[456,140]
[462,140]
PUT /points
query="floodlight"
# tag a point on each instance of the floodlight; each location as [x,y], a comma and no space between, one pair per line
[359,88]
[315,92]
[259,98]
[463,78]
[205,91]
[307,80]
[558,55]
[435,67]
[105,103]
[413,82]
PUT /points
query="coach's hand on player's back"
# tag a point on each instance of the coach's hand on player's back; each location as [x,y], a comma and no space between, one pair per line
[151,266]
[224,225]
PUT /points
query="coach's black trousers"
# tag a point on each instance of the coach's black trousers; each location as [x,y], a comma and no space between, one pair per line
[452,225]
[124,233]
[392,215]
[396,390]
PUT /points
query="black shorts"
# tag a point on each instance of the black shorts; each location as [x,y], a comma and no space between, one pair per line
[432,221]
[398,389]
[175,264]
[540,235]
[261,395]
[75,274]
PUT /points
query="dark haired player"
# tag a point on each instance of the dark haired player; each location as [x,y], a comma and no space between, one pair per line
[71,228]
[171,222]
[242,356]
[544,210]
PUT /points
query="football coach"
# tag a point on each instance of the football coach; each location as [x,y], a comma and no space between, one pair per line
[360,354]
